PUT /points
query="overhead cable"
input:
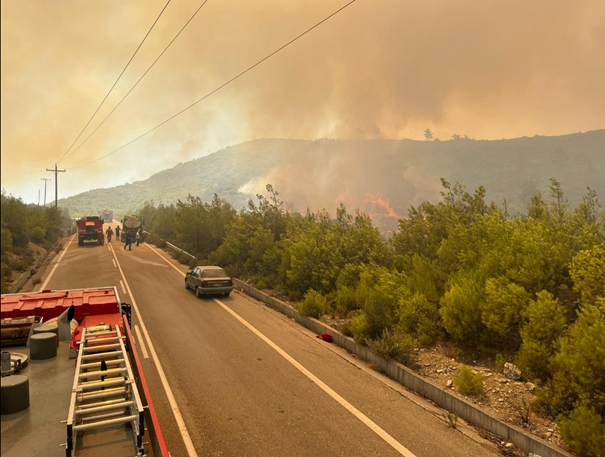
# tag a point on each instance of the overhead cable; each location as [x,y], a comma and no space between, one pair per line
[218,88]
[139,80]
[116,82]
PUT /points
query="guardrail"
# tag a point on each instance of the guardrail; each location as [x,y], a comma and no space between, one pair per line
[414,382]
[172,246]
[31,271]
[409,379]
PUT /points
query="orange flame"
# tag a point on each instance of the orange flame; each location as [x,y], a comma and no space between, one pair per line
[383,202]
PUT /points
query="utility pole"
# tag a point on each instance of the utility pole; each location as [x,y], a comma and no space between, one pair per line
[38,197]
[45,180]
[56,172]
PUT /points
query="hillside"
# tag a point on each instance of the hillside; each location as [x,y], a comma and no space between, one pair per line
[381,177]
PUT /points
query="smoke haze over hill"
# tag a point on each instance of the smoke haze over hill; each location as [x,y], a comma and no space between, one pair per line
[380,177]
[380,69]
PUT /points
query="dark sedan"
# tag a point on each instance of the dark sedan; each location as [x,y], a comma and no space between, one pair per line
[208,280]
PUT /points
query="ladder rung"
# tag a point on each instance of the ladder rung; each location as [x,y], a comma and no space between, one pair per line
[104,423]
[98,417]
[97,385]
[98,364]
[101,403]
[99,374]
[101,333]
[98,409]
[101,355]
[95,395]
[91,342]
[100,348]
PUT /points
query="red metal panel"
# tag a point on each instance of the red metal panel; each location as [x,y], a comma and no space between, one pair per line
[52,304]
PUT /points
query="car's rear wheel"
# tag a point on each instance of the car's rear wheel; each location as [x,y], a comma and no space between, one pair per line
[197,292]
[227,294]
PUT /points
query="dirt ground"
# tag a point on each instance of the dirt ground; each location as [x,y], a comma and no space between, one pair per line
[506,399]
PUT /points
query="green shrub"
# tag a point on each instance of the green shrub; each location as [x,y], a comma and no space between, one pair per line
[358,326]
[36,281]
[583,429]
[346,300]
[469,383]
[398,346]
[499,361]
[313,305]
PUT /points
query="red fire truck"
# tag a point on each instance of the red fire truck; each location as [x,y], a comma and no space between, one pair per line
[90,228]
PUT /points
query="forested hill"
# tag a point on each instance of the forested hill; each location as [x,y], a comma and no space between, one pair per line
[381,177]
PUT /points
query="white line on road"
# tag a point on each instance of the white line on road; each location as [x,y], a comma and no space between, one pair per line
[52,272]
[175,409]
[143,348]
[348,406]
[114,263]
[123,288]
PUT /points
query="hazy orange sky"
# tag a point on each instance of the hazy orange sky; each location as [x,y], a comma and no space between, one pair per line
[380,68]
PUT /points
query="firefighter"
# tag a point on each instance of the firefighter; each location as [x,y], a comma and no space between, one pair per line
[118,233]
[109,233]
[128,241]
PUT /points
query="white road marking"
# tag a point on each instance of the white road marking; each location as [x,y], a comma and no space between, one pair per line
[52,272]
[143,348]
[348,406]
[114,263]
[123,288]
[175,409]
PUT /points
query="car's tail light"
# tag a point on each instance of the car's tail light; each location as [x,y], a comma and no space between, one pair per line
[204,283]
[229,283]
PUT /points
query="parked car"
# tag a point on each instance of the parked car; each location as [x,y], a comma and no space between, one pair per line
[208,280]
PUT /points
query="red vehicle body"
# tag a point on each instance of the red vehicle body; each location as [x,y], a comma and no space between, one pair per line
[90,228]
[90,309]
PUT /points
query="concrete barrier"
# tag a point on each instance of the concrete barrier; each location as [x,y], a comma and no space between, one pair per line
[414,382]
[16,287]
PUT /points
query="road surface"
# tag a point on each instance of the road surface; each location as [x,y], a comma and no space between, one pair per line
[232,377]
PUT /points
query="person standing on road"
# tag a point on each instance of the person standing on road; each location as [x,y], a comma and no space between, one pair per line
[138,237]
[109,232]
[117,233]
[128,241]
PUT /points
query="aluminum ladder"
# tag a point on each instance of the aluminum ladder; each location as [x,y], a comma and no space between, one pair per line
[104,392]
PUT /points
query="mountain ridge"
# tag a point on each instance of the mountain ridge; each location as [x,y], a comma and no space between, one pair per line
[368,174]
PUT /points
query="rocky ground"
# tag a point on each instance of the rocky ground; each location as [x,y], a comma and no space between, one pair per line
[506,399]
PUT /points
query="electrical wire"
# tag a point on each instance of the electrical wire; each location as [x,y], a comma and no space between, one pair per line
[220,87]
[137,83]
[116,82]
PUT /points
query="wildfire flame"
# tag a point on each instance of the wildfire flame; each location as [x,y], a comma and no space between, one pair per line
[384,203]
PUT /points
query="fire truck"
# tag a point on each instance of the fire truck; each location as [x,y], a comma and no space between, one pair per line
[90,228]
[106,216]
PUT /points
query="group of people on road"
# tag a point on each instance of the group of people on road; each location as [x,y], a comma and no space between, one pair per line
[129,238]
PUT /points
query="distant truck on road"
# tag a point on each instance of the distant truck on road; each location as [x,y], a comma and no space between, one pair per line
[106,216]
[130,226]
[90,228]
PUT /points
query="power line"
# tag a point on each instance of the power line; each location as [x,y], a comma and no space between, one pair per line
[220,87]
[137,83]
[116,82]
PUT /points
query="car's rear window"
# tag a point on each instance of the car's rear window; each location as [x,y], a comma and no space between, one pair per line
[218,273]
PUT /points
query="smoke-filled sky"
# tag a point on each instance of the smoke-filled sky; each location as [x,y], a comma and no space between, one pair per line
[379,69]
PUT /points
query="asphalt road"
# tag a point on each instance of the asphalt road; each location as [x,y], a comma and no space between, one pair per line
[246,380]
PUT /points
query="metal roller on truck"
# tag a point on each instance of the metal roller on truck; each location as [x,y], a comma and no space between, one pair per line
[90,228]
